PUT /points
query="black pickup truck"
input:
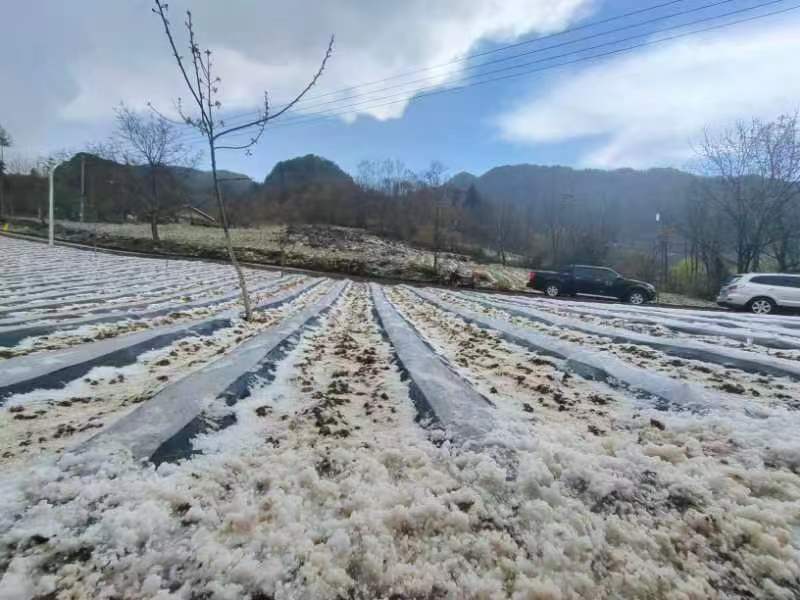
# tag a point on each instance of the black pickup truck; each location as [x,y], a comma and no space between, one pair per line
[592,281]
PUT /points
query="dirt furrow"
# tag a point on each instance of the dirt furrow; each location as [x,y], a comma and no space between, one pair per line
[767,389]
[99,331]
[48,421]
[662,326]
[325,487]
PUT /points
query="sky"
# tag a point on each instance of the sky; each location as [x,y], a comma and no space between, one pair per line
[400,83]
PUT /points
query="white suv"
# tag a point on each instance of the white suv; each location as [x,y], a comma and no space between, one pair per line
[761,293]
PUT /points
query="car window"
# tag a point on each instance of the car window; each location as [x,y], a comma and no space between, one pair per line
[605,275]
[789,281]
[598,274]
[768,280]
[584,272]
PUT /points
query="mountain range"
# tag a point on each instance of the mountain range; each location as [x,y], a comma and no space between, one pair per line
[633,198]
[630,197]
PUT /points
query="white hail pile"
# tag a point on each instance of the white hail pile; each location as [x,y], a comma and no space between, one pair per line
[326,485]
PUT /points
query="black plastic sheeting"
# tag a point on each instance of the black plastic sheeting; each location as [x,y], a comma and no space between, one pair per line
[179,446]
[124,356]
[671,347]
[12,337]
[436,387]
[118,358]
[167,417]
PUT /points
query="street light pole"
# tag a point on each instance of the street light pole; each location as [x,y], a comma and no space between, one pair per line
[50,223]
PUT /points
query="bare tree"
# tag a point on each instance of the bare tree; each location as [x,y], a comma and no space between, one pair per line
[755,174]
[21,165]
[432,179]
[503,223]
[203,85]
[785,245]
[706,235]
[154,143]
[5,142]
[394,181]
[384,184]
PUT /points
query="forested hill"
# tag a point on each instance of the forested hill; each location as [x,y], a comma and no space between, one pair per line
[304,171]
[317,190]
[632,197]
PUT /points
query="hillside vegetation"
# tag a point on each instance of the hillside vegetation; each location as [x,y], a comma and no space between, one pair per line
[682,231]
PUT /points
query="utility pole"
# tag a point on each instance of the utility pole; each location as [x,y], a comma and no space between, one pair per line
[2,182]
[50,227]
[51,222]
[663,247]
[83,186]
[666,256]
[5,142]
[436,228]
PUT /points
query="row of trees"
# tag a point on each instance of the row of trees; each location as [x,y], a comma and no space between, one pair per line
[134,173]
[744,213]
[426,209]
[131,173]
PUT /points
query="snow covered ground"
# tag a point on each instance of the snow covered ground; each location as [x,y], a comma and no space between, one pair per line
[366,441]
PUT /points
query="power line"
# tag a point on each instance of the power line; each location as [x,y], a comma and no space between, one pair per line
[503,48]
[586,49]
[424,91]
[410,93]
[433,90]
[303,106]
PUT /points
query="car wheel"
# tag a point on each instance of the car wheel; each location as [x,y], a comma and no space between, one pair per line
[636,297]
[552,290]
[761,306]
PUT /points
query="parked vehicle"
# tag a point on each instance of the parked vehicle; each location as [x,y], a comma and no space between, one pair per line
[459,279]
[761,293]
[591,281]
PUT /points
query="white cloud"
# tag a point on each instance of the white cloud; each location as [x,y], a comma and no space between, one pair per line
[645,108]
[71,67]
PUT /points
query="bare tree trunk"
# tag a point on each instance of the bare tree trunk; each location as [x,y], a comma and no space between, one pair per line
[436,239]
[154,206]
[2,181]
[2,184]
[204,89]
[154,225]
[83,187]
[248,313]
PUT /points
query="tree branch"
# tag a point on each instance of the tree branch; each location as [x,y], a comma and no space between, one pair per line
[161,12]
[263,119]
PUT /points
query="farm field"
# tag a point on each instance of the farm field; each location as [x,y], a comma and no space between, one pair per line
[317,247]
[357,440]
